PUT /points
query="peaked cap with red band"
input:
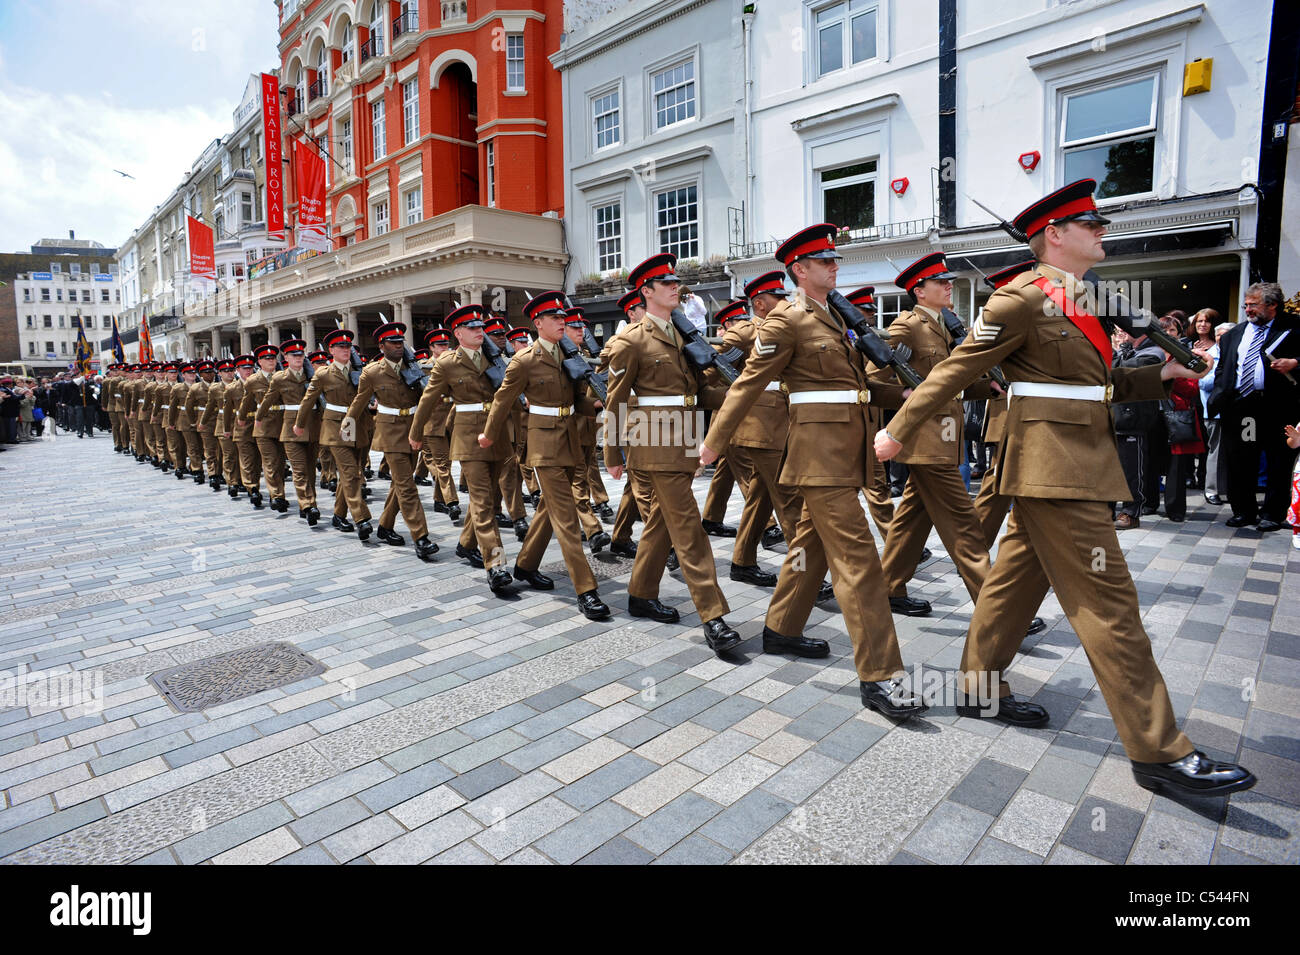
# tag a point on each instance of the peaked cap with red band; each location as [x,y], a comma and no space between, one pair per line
[544,303]
[1072,203]
[495,327]
[187,369]
[519,335]
[337,336]
[771,283]
[204,365]
[437,336]
[423,354]
[389,330]
[319,357]
[293,346]
[467,316]
[864,297]
[630,301]
[575,317]
[1003,276]
[929,266]
[226,364]
[814,242]
[738,308]
[266,351]
[658,267]
[245,361]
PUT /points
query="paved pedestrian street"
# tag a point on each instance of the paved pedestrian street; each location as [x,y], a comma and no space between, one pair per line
[450,726]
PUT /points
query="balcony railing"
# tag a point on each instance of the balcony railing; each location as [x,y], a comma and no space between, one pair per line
[318,89]
[454,11]
[408,22]
[875,233]
[295,102]
[372,47]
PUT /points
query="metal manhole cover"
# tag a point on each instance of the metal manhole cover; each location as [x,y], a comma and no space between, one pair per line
[196,686]
[603,566]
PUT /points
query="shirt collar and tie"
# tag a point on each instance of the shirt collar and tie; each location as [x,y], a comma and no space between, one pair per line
[664,325]
[475,355]
[1250,361]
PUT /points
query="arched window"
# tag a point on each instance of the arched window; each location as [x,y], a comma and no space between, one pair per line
[349,43]
[377,28]
[322,70]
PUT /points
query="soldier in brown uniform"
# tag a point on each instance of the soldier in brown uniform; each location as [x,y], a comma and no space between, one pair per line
[280,402]
[519,340]
[203,424]
[134,399]
[111,402]
[828,458]
[636,500]
[437,437]
[1059,461]
[880,503]
[196,406]
[660,438]
[509,495]
[575,327]
[461,375]
[148,416]
[334,384]
[174,443]
[319,361]
[935,491]
[189,444]
[214,419]
[265,431]
[555,405]
[249,459]
[160,406]
[382,380]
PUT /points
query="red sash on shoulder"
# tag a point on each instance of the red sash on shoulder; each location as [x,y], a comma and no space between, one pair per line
[1084,322]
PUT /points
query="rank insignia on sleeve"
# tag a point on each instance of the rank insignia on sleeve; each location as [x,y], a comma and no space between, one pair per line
[983,332]
[761,348]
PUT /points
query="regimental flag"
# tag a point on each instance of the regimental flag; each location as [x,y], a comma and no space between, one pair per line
[119,353]
[146,343]
[83,350]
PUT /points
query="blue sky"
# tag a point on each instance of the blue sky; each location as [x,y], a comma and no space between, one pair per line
[89,86]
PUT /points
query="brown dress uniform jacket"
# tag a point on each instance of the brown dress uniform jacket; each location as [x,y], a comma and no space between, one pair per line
[644,362]
[255,389]
[381,381]
[829,445]
[552,441]
[454,376]
[283,399]
[335,384]
[768,421]
[196,401]
[1051,447]
[177,416]
[232,399]
[214,404]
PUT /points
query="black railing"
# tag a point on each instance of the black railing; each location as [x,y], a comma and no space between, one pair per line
[876,233]
[318,89]
[295,102]
[372,47]
[408,22]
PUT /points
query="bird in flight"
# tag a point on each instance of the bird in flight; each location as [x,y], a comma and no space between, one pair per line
[125,175]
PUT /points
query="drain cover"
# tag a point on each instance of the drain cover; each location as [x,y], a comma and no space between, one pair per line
[196,686]
[603,566]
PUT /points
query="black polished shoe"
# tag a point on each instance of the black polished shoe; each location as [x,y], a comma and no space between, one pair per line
[280,504]
[1195,774]
[333,485]
[642,607]
[425,548]
[233,490]
[384,475]
[453,512]
[825,592]
[364,530]
[592,607]
[604,512]
[1215,501]
[389,536]
[599,541]
[753,574]
[504,521]
[889,698]
[718,529]
[673,563]
[342,524]
[774,642]
[772,536]
[470,554]
[499,580]
[302,513]
[199,477]
[424,482]
[181,474]
[719,636]
[212,483]
[926,554]
[623,548]
[910,606]
[1037,625]
[533,579]
[1148,511]
[313,515]
[255,498]
[1007,710]
[439,507]
[369,472]
[1240,521]
[1265,526]
[324,484]
[521,528]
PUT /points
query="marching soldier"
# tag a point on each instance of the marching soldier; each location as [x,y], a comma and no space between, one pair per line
[111,393]
[575,327]
[425,359]
[646,360]
[461,375]
[163,409]
[437,437]
[1059,461]
[149,416]
[320,360]
[241,430]
[201,397]
[508,493]
[266,430]
[280,403]
[215,419]
[636,500]
[555,402]
[382,380]
[589,483]
[135,401]
[334,384]
[880,503]
[519,339]
[828,458]
[188,443]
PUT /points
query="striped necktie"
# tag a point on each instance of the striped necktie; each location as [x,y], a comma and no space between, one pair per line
[1247,385]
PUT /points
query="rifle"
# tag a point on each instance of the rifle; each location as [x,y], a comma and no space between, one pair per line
[496,366]
[701,354]
[868,341]
[578,369]
[593,348]
[1119,311]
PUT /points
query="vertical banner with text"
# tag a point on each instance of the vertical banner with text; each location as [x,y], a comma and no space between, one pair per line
[274,169]
[309,174]
[203,263]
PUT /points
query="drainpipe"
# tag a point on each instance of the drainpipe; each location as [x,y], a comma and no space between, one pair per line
[947,114]
[747,28]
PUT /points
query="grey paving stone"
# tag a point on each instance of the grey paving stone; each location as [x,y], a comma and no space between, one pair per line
[417,754]
[695,851]
[618,851]
[745,820]
[673,822]
[597,786]
[338,787]
[727,713]
[404,786]
[988,787]
[1103,829]
[227,835]
[1060,778]
[483,779]
[38,830]
[849,740]
[996,852]
[593,828]
[311,855]
[949,834]
[427,841]
[328,820]
[358,839]
[638,731]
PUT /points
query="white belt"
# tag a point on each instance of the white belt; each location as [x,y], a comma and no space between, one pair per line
[281,407]
[200,407]
[550,412]
[474,406]
[830,397]
[140,402]
[665,401]
[330,407]
[398,412]
[1043,389]
[773,386]
[163,407]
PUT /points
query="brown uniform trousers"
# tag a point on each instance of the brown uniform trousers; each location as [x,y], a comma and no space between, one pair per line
[720,488]
[266,431]
[554,452]
[335,383]
[382,381]
[935,492]
[828,458]
[188,443]
[282,399]
[580,487]
[1059,463]
[249,458]
[212,450]
[436,453]
[661,444]
[991,507]
[880,502]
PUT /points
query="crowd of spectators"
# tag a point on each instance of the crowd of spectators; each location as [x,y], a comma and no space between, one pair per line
[31,409]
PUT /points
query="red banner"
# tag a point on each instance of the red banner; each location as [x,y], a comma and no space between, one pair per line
[203,263]
[309,174]
[274,170]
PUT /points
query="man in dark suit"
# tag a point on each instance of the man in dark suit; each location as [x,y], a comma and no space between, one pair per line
[1256,397]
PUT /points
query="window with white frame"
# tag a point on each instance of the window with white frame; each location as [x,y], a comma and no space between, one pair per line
[492,173]
[677,221]
[606,119]
[345,144]
[245,160]
[31,348]
[348,47]
[377,27]
[379,214]
[245,208]
[609,236]
[377,129]
[849,195]
[414,205]
[1108,133]
[85,294]
[514,61]
[673,93]
[845,34]
[410,111]
[322,73]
